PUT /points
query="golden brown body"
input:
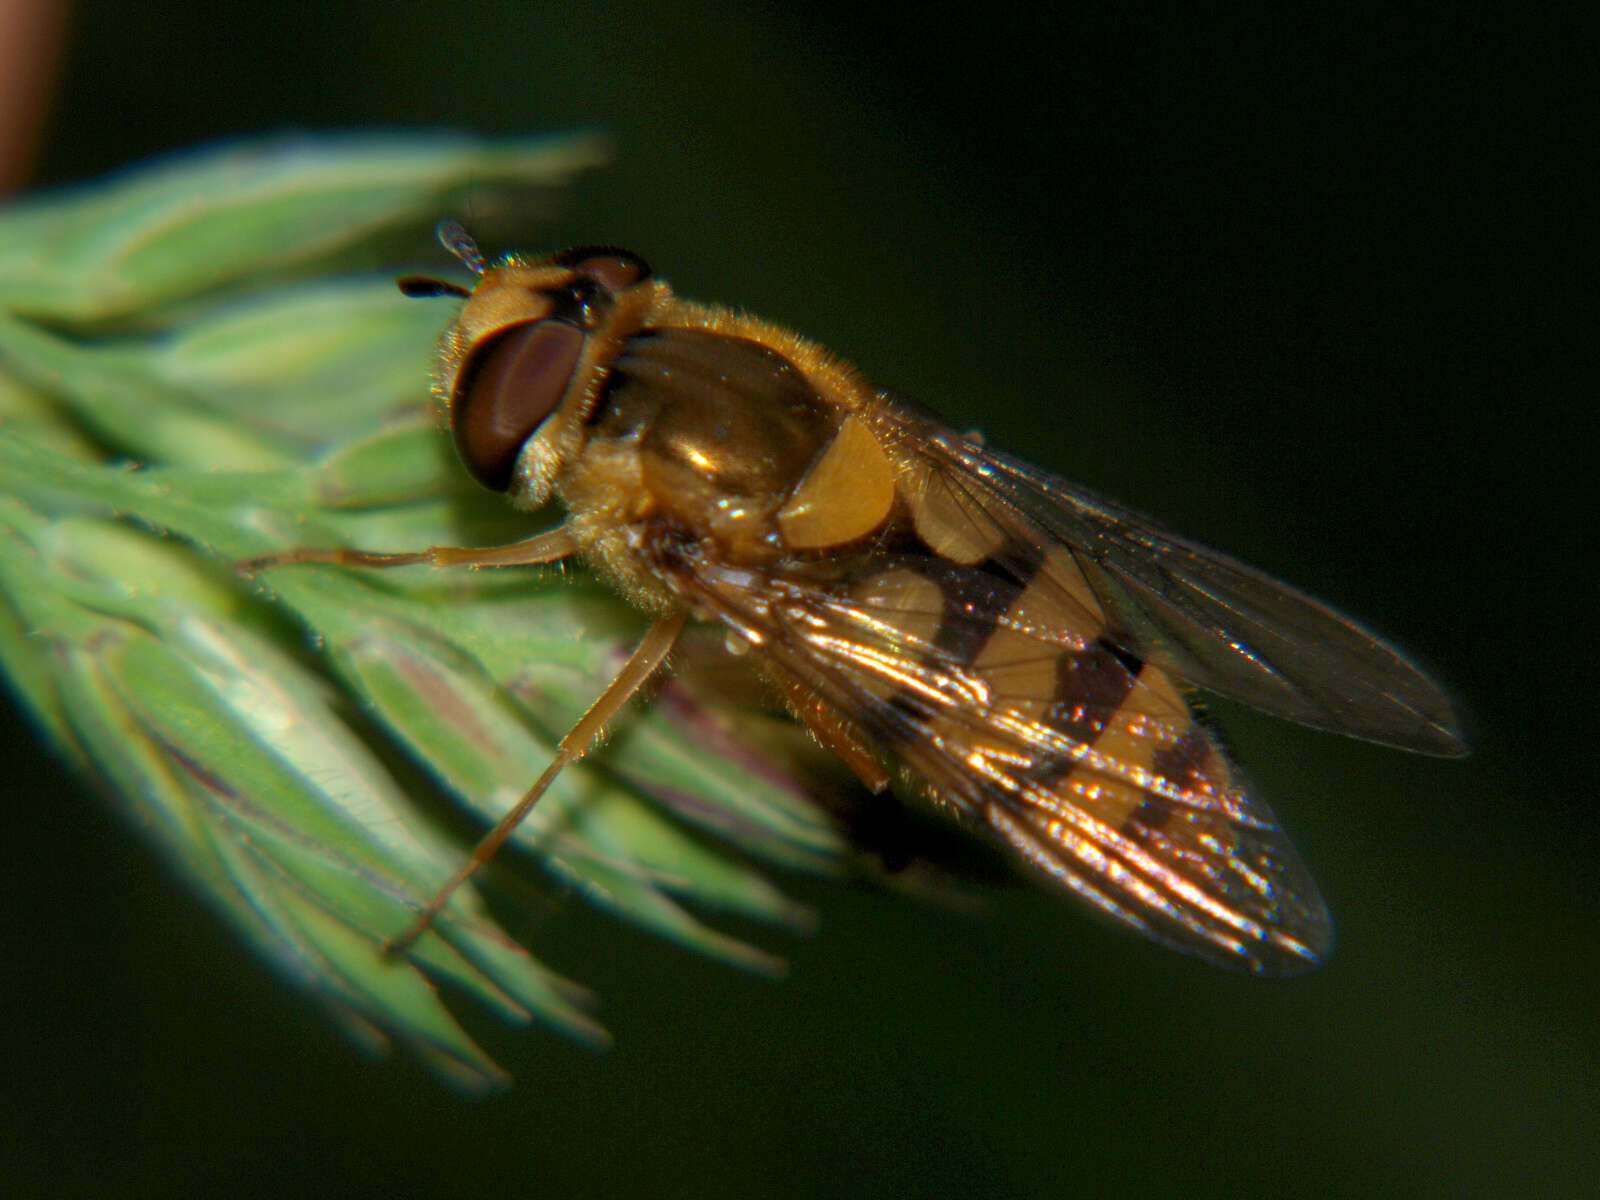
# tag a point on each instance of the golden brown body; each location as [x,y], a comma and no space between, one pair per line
[1009,641]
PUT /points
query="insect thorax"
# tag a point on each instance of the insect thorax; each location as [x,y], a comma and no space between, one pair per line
[697,436]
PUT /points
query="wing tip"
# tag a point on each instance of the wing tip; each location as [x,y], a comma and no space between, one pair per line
[1438,731]
[1290,933]
[1285,955]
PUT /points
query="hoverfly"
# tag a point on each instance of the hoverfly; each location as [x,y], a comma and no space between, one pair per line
[926,605]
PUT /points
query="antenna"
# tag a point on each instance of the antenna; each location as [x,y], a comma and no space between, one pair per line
[454,237]
[423,285]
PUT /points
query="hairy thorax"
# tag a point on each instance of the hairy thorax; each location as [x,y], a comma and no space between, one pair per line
[699,440]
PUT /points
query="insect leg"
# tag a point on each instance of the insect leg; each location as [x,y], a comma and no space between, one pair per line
[647,657]
[546,547]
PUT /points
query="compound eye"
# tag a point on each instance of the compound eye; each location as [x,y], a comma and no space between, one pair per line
[507,389]
[613,269]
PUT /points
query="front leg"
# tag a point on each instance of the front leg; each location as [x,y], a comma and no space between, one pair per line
[550,546]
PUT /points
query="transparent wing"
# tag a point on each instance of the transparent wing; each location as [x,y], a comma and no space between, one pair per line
[992,686]
[1216,622]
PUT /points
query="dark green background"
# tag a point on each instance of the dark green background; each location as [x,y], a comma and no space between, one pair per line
[1309,290]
